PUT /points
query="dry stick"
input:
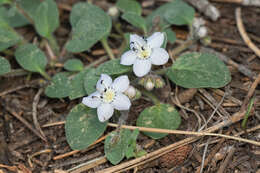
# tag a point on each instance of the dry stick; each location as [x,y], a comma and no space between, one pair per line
[157,130]
[250,92]
[204,155]
[229,156]
[243,2]
[241,68]
[34,112]
[153,155]
[243,33]
[28,125]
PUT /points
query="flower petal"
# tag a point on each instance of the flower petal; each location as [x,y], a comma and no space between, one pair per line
[104,82]
[105,111]
[93,100]
[121,83]
[142,67]
[121,102]
[159,56]
[136,39]
[128,58]
[155,40]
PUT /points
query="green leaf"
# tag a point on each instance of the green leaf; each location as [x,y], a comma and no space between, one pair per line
[60,86]
[180,14]
[91,25]
[8,38]
[2,2]
[135,20]
[29,6]
[31,58]
[112,67]
[116,145]
[46,18]
[131,148]
[83,127]
[162,116]
[171,36]
[199,70]
[90,81]
[129,6]
[74,65]
[172,13]
[14,20]
[4,66]
[77,85]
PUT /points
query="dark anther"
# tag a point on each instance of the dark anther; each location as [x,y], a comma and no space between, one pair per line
[93,97]
[134,49]
[101,97]
[105,90]
[142,48]
[131,42]
[101,81]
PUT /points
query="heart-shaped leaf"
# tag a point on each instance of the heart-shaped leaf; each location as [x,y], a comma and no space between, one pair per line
[77,85]
[14,20]
[116,145]
[88,28]
[180,14]
[129,6]
[199,70]
[60,86]
[162,116]
[90,81]
[135,20]
[46,19]
[29,6]
[4,66]
[83,127]
[74,65]
[112,67]
[31,58]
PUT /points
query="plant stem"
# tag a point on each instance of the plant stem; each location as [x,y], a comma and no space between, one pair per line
[161,71]
[247,113]
[53,43]
[154,99]
[107,48]
[45,75]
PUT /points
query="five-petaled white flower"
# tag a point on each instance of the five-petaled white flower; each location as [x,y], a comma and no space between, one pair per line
[109,96]
[144,53]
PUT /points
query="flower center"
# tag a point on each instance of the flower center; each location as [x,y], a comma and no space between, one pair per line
[142,51]
[108,95]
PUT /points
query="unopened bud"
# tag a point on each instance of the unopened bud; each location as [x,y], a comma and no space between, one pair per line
[149,84]
[206,40]
[141,81]
[113,12]
[130,92]
[159,82]
[202,32]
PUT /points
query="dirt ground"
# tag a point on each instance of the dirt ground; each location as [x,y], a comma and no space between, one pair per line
[21,148]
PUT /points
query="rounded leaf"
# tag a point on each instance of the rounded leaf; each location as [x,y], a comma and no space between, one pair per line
[74,65]
[135,20]
[199,70]
[82,127]
[90,81]
[4,66]
[116,145]
[162,116]
[60,86]
[31,58]
[112,67]
[129,6]
[88,27]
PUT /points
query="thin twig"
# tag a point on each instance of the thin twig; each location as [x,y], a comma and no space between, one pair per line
[34,112]
[204,155]
[229,156]
[243,33]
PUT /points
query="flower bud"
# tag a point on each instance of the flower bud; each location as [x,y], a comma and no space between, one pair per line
[141,81]
[113,12]
[159,82]
[149,84]
[130,92]
[206,40]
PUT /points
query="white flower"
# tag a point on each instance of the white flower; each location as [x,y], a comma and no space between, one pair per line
[109,96]
[144,53]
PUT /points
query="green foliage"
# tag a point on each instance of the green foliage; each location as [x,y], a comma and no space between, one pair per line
[199,70]
[31,58]
[90,81]
[162,116]
[29,6]
[2,2]
[14,19]
[8,36]
[171,36]
[176,12]
[89,25]
[116,145]
[83,127]
[77,85]
[60,86]
[112,67]
[135,20]
[4,66]
[129,6]
[46,19]
[74,65]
